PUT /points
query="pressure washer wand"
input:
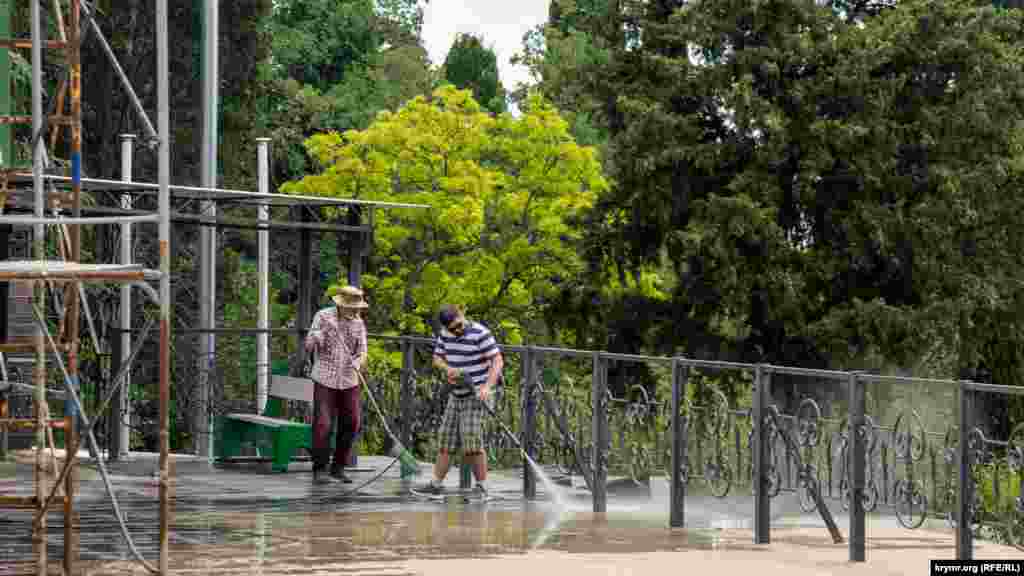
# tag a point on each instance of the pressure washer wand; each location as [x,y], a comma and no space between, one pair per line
[508,432]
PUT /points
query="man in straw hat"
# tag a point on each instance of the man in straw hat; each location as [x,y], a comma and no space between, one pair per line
[338,336]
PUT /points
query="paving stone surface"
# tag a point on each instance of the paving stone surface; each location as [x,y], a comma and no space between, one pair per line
[244,519]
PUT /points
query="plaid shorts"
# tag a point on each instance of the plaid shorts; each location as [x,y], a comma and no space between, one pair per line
[463,424]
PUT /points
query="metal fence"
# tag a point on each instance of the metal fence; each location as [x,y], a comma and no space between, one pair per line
[613,419]
[690,423]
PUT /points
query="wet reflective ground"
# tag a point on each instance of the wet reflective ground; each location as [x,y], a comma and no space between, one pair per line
[243,520]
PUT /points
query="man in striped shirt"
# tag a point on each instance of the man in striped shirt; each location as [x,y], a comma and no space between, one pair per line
[469,355]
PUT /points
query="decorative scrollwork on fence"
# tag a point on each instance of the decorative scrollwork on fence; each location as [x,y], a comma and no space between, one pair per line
[909,442]
[869,495]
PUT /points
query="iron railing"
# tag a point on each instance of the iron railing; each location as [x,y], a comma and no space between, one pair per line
[561,404]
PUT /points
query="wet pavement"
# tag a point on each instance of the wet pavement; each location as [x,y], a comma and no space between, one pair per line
[243,519]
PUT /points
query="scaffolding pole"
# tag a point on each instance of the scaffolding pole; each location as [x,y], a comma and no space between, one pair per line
[74,47]
[263,273]
[207,235]
[38,246]
[164,177]
[124,407]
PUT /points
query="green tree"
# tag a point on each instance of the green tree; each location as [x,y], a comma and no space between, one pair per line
[316,41]
[335,65]
[472,66]
[827,191]
[502,191]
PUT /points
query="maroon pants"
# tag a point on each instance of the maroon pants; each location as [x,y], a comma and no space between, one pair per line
[329,403]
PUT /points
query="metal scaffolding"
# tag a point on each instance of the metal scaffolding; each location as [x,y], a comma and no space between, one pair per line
[55,207]
[69,274]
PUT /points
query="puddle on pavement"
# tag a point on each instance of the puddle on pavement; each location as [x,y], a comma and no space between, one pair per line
[206,538]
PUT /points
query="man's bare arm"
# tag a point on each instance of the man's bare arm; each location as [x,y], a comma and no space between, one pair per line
[497,363]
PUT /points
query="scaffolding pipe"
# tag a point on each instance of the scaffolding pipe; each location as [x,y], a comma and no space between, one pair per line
[136,103]
[71,410]
[77,221]
[263,272]
[124,405]
[77,402]
[164,177]
[39,526]
[208,236]
[89,430]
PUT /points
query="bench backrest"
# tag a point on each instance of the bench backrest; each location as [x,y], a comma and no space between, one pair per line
[291,388]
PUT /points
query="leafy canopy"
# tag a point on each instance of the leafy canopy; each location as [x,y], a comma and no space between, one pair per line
[503,190]
[833,185]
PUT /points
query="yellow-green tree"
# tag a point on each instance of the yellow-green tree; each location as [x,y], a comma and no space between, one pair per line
[504,192]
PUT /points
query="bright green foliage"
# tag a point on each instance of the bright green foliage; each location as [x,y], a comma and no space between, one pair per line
[472,66]
[502,190]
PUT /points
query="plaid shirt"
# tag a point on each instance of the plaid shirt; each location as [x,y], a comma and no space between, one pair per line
[339,343]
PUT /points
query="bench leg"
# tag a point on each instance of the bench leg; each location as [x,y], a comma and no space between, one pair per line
[229,439]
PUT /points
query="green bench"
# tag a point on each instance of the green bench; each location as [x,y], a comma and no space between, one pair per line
[270,432]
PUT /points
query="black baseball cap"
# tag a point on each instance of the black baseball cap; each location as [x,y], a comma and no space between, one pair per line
[447,315]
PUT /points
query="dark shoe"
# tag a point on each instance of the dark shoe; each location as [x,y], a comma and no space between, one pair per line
[321,479]
[431,488]
[339,474]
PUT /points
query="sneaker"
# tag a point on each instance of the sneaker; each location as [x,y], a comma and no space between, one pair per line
[432,487]
[339,474]
[479,490]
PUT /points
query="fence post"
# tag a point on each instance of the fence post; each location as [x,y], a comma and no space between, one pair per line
[677,495]
[529,420]
[965,492]
[856,465]
[599,434]
[762,501]
[405,393]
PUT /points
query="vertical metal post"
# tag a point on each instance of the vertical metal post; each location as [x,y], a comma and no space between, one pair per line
[677,495]
[355,247]
[164,178]
[762,501]
[5,231]
[124,405]
[263,279]
[355,274]
[39,253]
[304,316]
[965,483]
[73,301]
[208,234]
[114,409]
[856,465]
[529,420]
[599,434]
[405,393]
[5,85]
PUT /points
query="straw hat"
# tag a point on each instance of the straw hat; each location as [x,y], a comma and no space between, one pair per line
[347,297]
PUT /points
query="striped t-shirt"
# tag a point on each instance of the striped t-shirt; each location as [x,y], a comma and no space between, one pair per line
[472,353]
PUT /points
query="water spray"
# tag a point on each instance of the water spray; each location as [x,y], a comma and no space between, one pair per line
[549,485]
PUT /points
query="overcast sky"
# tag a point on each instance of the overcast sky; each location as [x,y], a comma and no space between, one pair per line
[502,24]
